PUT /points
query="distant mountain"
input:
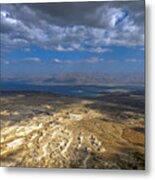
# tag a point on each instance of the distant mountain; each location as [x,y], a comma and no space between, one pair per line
[83,79]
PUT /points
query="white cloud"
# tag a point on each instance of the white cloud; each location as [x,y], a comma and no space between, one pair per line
[134,60]
[91,60]
[5,16]
[116,15]
[34,59]
[28,60]
[57,61]
[61,48]
[100,50]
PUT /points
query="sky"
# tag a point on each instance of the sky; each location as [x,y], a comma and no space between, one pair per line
[85,37]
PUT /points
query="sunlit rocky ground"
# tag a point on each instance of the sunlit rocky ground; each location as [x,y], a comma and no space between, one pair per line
[45,130]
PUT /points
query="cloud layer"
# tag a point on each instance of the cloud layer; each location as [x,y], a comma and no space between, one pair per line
[36,60]
[72,26]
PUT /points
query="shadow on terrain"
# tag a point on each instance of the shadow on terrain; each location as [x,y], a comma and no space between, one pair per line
[141,130]
[21,106]
[125,159]
[116,105]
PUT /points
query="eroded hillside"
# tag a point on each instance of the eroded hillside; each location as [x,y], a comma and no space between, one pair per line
[44,130]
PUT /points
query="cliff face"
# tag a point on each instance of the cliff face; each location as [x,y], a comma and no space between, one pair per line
[43,130]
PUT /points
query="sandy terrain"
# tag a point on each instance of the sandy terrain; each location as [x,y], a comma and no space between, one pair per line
[44,130]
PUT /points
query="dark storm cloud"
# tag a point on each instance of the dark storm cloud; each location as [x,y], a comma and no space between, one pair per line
[72,26]
[93,14]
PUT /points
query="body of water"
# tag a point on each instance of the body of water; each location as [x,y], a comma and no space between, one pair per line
[78,91]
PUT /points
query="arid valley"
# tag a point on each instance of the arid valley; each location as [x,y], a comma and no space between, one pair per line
[40,129]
